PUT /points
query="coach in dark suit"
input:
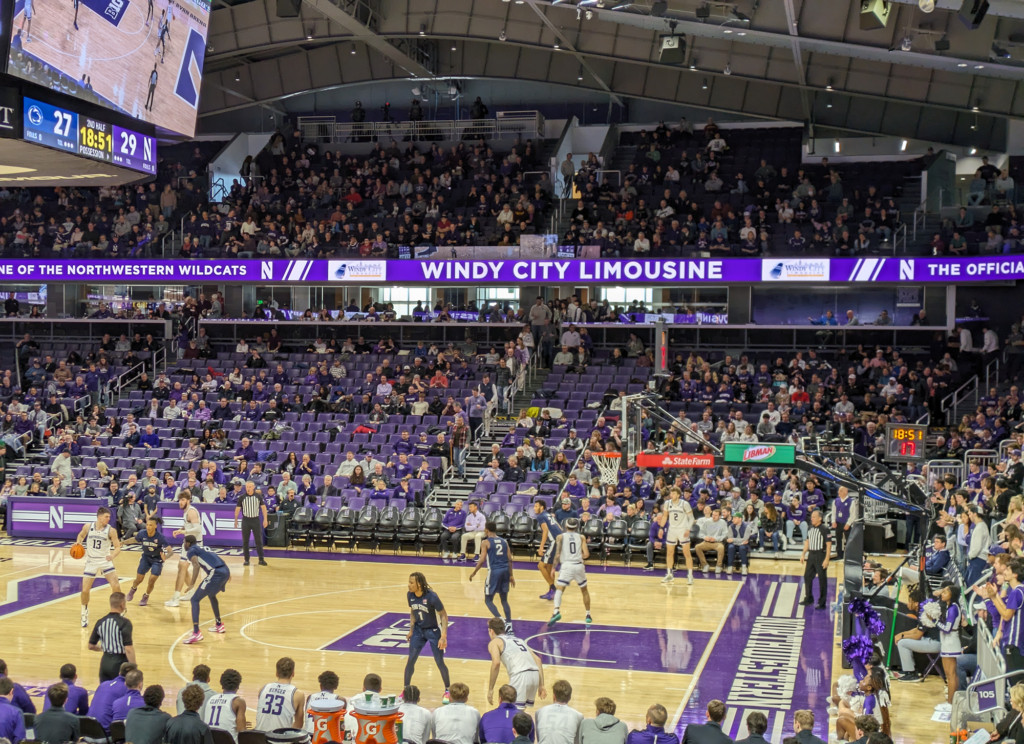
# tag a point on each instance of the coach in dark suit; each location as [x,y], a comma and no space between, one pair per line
[803,725]
[56,725]
[710,732]
[757,724]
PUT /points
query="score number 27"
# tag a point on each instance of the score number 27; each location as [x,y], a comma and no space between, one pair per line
[63,125]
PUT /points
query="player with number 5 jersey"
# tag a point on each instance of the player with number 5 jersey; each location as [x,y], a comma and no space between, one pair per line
[524,667]
[280,704]
[494,552]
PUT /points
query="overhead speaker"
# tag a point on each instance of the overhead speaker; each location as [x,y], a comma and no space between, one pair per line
[673,50]
[288,8]
[659,8]
[972,12]
[703,12]
[874,14]
[942,45]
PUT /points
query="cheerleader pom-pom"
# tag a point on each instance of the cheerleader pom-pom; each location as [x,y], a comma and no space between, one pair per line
[858,649]
[859,605]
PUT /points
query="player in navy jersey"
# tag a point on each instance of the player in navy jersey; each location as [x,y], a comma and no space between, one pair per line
[217,577]
[155,550]
[549,532]
[494,552]
[428,623]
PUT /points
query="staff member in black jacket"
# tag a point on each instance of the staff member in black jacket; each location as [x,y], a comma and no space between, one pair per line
[254,520]
[817,549]
[56,725]
[113,636]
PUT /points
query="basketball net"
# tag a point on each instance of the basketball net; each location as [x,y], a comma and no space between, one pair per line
[608,466]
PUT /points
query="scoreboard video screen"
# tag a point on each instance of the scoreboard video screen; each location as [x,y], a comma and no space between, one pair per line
[142,58]
[67,130]
[905,442]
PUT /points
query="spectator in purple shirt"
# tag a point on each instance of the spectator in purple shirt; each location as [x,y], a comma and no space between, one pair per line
[453,523]
[404,446]
[496,725]
[610,510]
[132,698]
[21,699]
[655,732]
[149,439]
[78,697]
[574,488]
[245,450]
[102,708]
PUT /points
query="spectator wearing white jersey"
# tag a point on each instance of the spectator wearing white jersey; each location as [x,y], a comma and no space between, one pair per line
[415,719]
[558,723]
[457,722]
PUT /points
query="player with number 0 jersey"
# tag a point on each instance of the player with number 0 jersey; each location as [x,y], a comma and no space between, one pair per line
[570,552]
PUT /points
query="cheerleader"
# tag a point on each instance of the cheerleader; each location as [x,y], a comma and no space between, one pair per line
[870,699]
[949,638]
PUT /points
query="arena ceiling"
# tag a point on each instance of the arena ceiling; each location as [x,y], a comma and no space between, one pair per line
[778,59]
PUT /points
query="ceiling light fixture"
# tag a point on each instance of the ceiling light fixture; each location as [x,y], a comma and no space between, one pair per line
[741,33]
[705,84]
[238,77]
[903,146]
[501,36]
[962,64]
[728,30]
[907,44]
[423,29]
[353,49]
[588,15]
[979,67]
[974,151]
[727,70]
[828,102]
[453,46]
[416,91]
[556,45]
[838,147]
[828,85]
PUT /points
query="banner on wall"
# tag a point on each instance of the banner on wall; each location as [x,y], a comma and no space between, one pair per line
[616,271]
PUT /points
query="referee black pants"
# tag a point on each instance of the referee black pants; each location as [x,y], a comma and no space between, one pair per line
[815,567]
[110,666]
[252,526]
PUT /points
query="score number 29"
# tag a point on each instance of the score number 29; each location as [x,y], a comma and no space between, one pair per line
[128,143]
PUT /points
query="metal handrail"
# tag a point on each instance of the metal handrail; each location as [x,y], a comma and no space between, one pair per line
[989,373]
[922,211]
[899,239]
[512,123]
[966,388]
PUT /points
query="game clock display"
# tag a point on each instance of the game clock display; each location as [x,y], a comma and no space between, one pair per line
[905,442]
[70,131]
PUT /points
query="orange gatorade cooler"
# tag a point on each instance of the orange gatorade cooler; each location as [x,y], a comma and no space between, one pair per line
[328,717]
[377,725]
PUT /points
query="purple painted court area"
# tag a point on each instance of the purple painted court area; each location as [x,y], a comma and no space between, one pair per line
[40,590]
[772,656]
[570,644]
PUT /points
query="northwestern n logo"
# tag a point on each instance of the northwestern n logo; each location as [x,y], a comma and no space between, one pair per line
[57,517]
[187,87]
[906,271]
[209,521]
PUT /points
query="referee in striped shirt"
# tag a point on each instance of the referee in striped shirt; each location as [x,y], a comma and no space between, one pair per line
[817,549]
[113,636]
[254,520]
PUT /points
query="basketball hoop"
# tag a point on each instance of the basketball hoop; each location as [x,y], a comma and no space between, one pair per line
[608,466]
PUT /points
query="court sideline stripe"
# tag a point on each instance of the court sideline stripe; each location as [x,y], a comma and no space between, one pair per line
[704,658]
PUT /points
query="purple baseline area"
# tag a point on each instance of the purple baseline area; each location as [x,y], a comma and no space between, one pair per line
[568,643]
[780,689]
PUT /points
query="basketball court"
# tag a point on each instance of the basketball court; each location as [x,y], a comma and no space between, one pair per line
[677,645]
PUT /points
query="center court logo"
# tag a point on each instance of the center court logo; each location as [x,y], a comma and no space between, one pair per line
[357,271]
[794,270]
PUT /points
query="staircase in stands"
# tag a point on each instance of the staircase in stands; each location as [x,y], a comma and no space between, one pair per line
[455,488]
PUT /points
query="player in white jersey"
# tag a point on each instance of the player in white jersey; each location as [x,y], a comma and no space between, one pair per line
[192,525]
[570,552]
[97,538]
[328,693]
[559,723]
[226,710]
[416,720]
[525,670]
[280,704]
[680,522]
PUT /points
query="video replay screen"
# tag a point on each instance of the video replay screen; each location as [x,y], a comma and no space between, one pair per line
[143,58]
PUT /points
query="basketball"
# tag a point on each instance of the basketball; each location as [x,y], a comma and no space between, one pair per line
[77,552]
